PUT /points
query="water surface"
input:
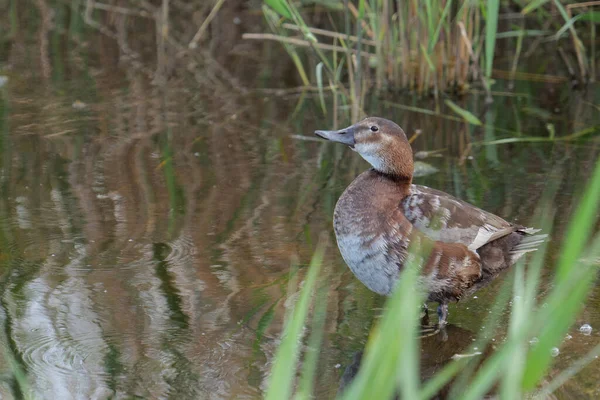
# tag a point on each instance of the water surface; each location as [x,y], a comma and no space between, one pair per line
[148,229]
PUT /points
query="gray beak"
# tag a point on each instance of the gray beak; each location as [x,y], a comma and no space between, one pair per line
[344,136]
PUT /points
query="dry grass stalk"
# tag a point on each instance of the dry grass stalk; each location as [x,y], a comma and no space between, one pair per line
[299,42]
[194,42]
[120,10]
[327,33]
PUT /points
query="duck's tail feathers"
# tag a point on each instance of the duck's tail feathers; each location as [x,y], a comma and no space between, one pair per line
[530,231]
[529,243]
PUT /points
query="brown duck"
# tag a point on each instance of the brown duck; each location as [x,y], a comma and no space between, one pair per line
[381,213]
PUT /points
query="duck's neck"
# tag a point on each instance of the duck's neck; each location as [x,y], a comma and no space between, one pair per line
[398,177]
[396,161]
[401,171]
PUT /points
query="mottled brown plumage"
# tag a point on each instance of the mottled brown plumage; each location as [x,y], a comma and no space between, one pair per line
[382,213]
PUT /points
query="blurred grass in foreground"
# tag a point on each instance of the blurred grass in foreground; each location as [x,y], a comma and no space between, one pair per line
[514,369]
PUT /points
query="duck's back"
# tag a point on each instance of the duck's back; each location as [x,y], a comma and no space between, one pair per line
[443,217]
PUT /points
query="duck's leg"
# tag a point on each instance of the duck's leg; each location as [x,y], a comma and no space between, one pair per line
[442,312]
[424,315]
[426,329]
[443,333]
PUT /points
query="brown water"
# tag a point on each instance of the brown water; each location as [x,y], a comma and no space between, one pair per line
[148,229]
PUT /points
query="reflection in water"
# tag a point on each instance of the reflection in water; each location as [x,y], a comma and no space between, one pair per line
[147,235]
[437,350]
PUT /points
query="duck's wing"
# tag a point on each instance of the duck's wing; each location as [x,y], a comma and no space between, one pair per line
[445,218]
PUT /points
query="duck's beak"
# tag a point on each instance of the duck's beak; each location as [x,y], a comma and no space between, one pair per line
[345,136]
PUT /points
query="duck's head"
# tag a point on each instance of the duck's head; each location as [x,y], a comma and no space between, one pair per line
[379,141]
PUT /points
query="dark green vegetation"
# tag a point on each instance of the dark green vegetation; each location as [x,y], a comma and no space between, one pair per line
[158,183]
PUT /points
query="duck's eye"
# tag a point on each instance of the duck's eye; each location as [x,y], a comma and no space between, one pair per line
[374,128]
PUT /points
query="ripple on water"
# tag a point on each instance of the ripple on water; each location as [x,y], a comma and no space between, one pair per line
[182,249]
[225,363]
[49,353]
[71,341]
[57,359]
[58,332]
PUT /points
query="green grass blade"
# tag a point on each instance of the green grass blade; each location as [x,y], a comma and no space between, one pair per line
[392,352]
[521,33]
[580,226]
[309,365]
[568,25]
[361,10]
[299,66]
[592,16]
[511,384]
[434,38]
[553,321]
[273,21]
[565,15]
[281,7]
[491,27]
[533,5]
[466,115]
[428,59]
[286,358]
[572,283]
[429,14]
[578,45]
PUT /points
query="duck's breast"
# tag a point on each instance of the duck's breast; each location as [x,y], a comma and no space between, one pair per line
[371,239]
[368,257]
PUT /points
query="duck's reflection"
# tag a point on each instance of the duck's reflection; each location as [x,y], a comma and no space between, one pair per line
[438,347]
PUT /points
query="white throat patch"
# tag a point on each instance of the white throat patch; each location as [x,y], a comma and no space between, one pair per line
[369,151]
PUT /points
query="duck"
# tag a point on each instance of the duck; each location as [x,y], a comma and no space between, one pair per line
[381,213]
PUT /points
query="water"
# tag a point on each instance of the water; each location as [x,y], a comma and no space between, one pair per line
[147,231]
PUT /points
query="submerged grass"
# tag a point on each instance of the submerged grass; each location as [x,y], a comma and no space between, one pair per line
[514,368]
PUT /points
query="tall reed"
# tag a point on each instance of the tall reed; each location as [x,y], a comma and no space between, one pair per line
[425,46]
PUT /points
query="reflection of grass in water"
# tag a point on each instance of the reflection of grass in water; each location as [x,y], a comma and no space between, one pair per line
[10,352]
[311,357]
[514,368]
[177,315]
[183,380]
[114,367]
[18,382]
[176,200]
[17,378]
